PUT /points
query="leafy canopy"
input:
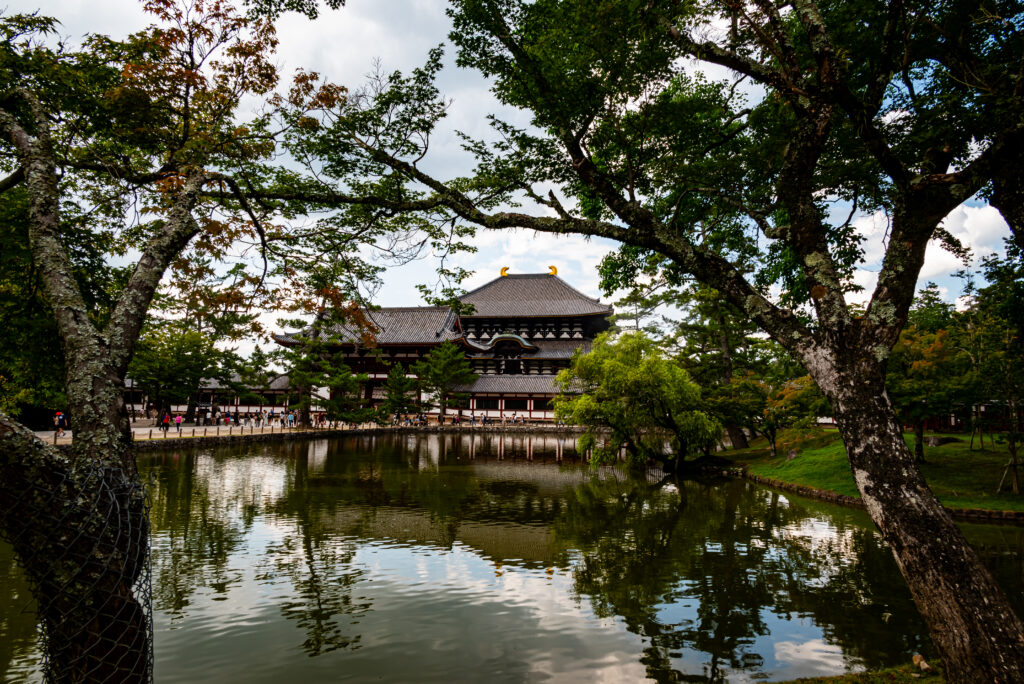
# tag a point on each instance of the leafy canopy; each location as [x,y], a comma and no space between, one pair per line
[646,402]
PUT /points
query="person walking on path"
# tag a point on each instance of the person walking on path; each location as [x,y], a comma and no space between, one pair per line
[58,423]
[177,422]
[165,424]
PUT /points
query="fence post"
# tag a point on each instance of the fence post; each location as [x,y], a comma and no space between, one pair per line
[151,433]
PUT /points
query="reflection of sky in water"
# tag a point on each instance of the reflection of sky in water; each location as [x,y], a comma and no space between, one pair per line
[316,563]
[434,614]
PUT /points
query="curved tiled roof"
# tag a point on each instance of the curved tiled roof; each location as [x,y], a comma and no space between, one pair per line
[559,349]
[397,325]
[529,295]
[538,349]
[512,384]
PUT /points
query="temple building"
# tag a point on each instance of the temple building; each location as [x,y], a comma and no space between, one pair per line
[523,329]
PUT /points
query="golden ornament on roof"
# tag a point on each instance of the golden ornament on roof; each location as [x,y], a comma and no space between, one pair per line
[504,270]
[554,271]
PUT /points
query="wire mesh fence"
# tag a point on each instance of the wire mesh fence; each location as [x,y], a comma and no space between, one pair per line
[82,537]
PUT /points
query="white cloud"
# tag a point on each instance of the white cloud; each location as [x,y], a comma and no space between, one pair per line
[981,228]
[812,657]
[874,228]
[867,280]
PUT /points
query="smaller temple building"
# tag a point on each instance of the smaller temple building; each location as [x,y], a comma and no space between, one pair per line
[522,330]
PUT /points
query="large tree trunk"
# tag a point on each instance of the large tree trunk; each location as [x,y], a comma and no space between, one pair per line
[975,630]
[737,438]
[1008,196]
[919,440]
[80,529]
[78,523]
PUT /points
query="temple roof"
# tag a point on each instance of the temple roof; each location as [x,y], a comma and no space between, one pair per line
[512,384]
[537,349]
[526,295]
[397,325]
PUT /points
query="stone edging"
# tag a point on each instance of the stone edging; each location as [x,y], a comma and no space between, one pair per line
[156,444]
[977,515]
[218,440]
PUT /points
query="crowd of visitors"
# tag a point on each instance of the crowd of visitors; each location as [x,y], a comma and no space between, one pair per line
[290,419]
[258,419]
[419,420]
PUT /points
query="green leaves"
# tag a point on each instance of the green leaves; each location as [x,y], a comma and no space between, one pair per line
[171,363]
[626,385]
[442,370]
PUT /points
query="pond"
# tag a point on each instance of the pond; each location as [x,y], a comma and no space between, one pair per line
[461,558]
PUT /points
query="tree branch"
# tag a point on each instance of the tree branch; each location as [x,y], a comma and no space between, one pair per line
[13,180]
[48,252]
[130,311]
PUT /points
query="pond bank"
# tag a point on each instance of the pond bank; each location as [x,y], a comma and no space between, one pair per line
[153,440]
[148,439]
[975,515]
[814,464]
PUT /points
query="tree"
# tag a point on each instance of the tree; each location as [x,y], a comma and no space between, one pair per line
[135,147]
[399,392]
[1001,305]
[626,386]
[710,337]
[442,370]
[314,368]
[169,365]
[923,378]
[255,375]
[31,358]
[903,109]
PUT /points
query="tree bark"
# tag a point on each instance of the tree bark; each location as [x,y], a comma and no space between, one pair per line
[737,438]
[79,523]
[919,440]
[978,636]
[80,530]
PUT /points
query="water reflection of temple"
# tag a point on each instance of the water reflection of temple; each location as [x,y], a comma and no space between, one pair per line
[718,580]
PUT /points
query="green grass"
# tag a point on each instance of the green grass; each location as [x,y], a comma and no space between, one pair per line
[897,675]
[959,476]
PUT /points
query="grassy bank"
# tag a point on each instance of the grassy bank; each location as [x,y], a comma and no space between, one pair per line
[895,675]
[959,476]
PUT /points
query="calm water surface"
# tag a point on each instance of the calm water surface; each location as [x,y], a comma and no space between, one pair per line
[489,558]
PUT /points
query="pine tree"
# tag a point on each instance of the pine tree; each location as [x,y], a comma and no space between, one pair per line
[399,392]
[441,371]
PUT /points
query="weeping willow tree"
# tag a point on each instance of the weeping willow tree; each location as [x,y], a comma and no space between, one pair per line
[629,396]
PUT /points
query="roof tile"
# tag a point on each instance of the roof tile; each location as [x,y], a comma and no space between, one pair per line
[529,295]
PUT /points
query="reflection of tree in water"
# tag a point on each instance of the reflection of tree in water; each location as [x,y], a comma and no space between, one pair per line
[733,552]
[323,578]
[195,533]
[19,655]
[317,558]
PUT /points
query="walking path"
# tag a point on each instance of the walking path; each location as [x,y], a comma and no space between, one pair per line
[142,434]
[147,433]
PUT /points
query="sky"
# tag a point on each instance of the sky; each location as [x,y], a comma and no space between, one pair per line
[344,45]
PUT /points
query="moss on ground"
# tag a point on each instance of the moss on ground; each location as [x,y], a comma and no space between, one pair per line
[897,675]
[959,476]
